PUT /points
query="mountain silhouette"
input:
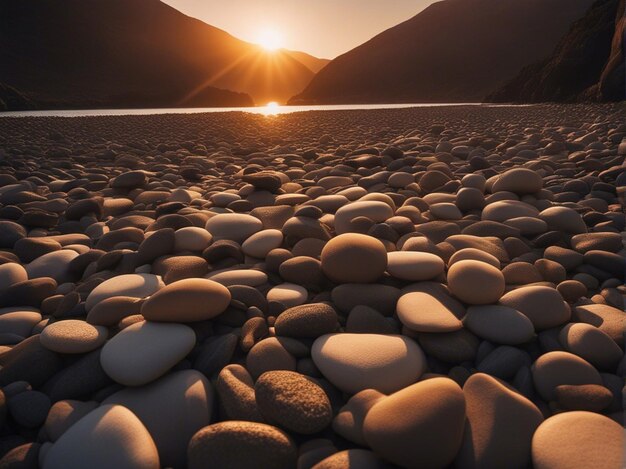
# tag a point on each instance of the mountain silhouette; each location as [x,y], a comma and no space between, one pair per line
[453,51]
[134,53]
[587,64]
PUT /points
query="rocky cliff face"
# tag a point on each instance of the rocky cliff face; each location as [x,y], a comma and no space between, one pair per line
[587,64]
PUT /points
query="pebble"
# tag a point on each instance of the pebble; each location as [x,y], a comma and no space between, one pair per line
[414,266]
[500,425]
[418,426]
[544,306]
[307,321]
[73,336]
[187,300]
[240,444]
[293,401]
[354,258]
[578,439]
[146,350]
[354,362]
[554,369]
[233,226]
[172,409]
[468,279]
[108,436]
[423,312]
[134,285]
[499,324]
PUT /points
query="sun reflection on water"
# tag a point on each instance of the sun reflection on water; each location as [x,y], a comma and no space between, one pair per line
[271,109]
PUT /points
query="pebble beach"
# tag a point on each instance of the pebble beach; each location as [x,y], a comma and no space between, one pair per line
[394,288]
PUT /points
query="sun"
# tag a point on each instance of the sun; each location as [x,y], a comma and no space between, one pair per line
[270,39]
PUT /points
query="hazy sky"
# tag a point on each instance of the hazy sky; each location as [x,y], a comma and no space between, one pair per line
[325,28]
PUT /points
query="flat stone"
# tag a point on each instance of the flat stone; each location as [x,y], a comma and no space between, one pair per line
[556,368]
[109,436]
[500,425]
[418,426]
[414,266]
[145,351]
[236,443]
[134,285]
[422,312]
[233,226]
[172,409]
[73,336]
[578,439]
[188,300]
[354,362]
[499,324]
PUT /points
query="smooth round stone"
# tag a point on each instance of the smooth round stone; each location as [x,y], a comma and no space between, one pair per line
[499,427]
[234,226]
[173,409]
[475,282]
[187,300]
[578,439]
[590,343]
[563,219]
[288,294]
[109,436]
[144,351]
[10,274]
[519,181]
[591,397]
[64,414]
[73,336]
[54,265]
[239,444]
[422,312]
[354,258]
[556,368]
[306,321]
[269,355]
[375,210]
[29,408]
[475,255]
[252,278]
[261,243]
[20,323]
[528,226]
[608,319]
[585,242]
[445,211]
[544,306]
[293,401]
[499,324]
[111,311]
[354,362]
[504,210]
[348,422]
[191,238]
[414,266]
[418,426]
[134,285]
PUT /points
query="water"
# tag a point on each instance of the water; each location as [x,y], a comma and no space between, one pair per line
[269,110]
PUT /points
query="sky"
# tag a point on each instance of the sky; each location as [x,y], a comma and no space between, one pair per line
[324,28]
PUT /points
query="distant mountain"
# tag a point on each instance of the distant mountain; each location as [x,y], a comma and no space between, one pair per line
[587,64]
[453,51]
[134,53]
[312,63]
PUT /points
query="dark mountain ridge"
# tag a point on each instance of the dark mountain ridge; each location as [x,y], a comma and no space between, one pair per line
[453,51]
[130,53]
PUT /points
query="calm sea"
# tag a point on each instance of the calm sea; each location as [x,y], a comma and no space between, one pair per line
[265,110]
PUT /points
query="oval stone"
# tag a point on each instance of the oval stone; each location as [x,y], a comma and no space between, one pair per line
[134,285]
[145,351]
[414,266]
[187,300]
[109,436]
[475,282]
[422,312]
[354,362]
[418,426]
[354,258]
